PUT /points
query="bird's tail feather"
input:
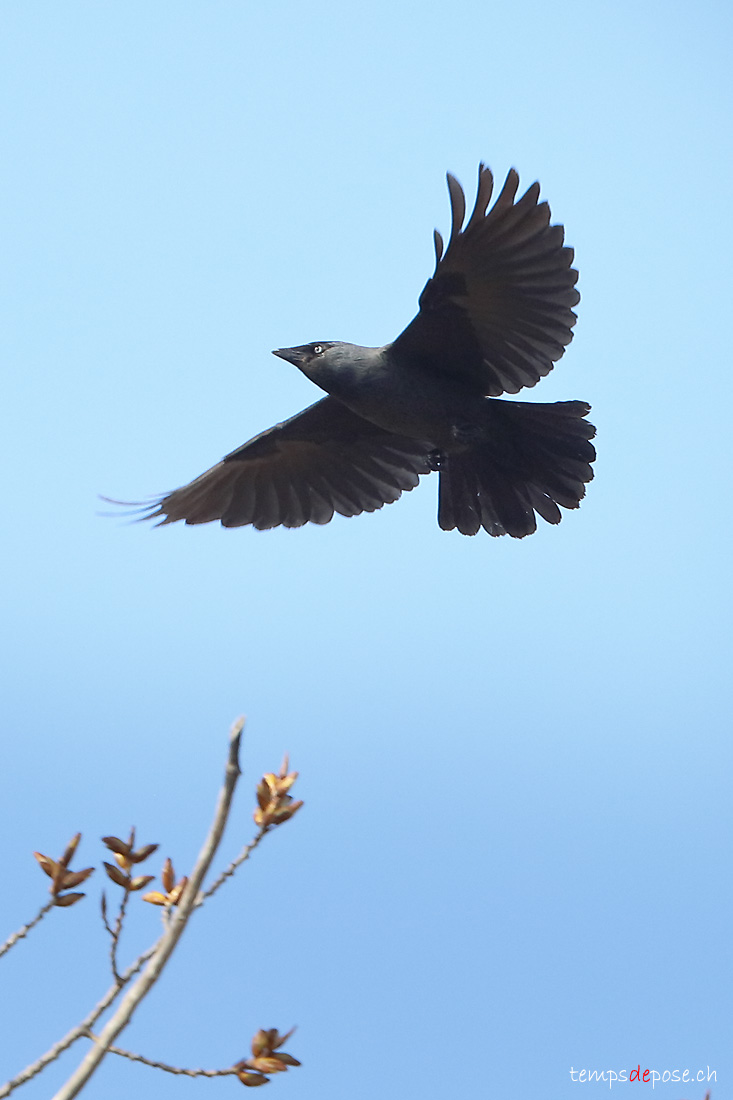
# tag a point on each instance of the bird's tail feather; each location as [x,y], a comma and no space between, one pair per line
[533,458]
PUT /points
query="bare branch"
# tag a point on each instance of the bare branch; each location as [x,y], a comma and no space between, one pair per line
[267,1058]
[173,933]
[115,934]
[23,932]
[274,807]
[103,912]
[165,1066]
[243,855]
[82,1028]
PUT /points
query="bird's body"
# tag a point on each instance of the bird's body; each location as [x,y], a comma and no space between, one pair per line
[494,318]
[398,397]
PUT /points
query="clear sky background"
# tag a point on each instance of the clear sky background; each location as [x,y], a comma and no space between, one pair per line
[516,756]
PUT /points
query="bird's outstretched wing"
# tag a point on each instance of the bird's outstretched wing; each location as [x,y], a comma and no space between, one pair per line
[497,313]
[324,460]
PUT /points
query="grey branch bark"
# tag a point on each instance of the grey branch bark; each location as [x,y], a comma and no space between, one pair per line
[80,1030]
[170,938]
[22,932]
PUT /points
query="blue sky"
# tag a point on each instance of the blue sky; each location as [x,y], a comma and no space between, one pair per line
[515,852]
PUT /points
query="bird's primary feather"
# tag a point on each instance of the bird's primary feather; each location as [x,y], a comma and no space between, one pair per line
[324,460]
[498,311]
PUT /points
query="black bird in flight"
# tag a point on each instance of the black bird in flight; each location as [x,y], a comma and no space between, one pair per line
[495,317]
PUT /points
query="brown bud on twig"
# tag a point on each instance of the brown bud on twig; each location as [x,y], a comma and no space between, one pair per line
[70,849]
[261,1043]
[140,881]
[75,878]
[124,851]
[278,1040]
[175,894]
[274,804]
[168,875]
[266,1058]
[252,1079]
[172,889]
[46,864]
[120,847]
[155,897]
[62,878]
[123,861]
[65,900]
[141,854]
[266,1065]
[125,858]
[288,810]
[286,1059]
[116,875]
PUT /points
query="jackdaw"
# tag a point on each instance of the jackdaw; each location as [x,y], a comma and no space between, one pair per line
[495,317]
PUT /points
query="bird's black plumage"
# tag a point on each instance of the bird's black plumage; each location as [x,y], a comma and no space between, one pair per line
[494,318]
[324,460]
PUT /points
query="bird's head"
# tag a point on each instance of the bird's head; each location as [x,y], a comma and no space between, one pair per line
[325,362]
[305,355]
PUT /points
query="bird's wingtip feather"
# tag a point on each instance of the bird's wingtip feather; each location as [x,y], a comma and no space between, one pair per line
[438,242]
[457,205]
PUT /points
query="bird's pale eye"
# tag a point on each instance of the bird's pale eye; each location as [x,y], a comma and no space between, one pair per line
[318,349]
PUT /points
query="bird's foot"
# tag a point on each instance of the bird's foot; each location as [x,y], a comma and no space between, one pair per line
[436,459]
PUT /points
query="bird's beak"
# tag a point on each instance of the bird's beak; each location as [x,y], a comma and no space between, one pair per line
[296,356]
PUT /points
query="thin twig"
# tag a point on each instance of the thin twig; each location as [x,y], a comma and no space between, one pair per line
[23,932]
[115,933]
[103,908]
[168,941]
[243,855]
[165,1066]
[82,1028]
